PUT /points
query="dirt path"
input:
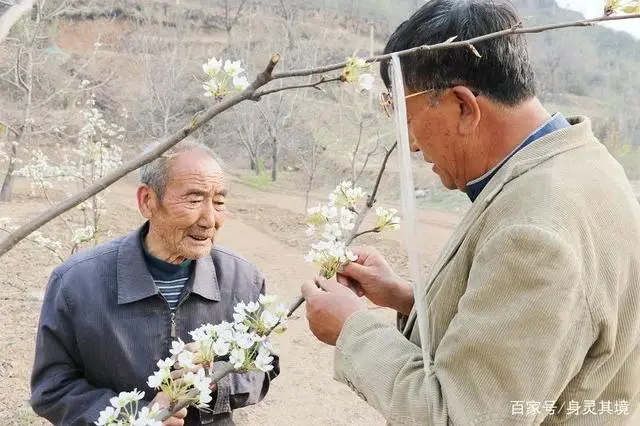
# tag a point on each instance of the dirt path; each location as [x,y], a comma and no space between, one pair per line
[266,228]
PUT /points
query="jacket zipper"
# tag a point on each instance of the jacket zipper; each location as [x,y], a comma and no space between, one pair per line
[173,316]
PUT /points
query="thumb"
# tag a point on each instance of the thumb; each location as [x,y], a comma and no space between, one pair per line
[309,289]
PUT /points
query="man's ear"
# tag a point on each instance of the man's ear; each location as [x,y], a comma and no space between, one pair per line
[146,201]
[469,110]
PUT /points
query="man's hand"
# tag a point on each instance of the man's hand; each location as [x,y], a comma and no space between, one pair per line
[328,307]
[371,276]
[163,402]
[179,371]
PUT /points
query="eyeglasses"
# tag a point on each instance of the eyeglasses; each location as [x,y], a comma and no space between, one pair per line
[386,100]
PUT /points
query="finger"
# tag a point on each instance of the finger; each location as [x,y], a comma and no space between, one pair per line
[173,421]
[328,285]
[355,271]
[212,387]
[309,289]
[181,414]
[350,284]
[191,347]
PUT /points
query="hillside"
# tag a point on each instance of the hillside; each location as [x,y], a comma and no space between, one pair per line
[148,62]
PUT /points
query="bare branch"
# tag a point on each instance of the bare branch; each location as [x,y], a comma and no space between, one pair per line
[256,96]
[11,129]
[516,29]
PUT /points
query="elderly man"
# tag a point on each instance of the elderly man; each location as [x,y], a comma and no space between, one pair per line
[111,313]
[533,309]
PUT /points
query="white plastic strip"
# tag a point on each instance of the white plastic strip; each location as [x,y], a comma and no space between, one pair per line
[408,203]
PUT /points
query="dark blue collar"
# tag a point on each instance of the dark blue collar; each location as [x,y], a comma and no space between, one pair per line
[556,122]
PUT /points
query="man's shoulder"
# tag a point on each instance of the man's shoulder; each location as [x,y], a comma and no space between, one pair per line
[225,257]
[225,254]
[86,259]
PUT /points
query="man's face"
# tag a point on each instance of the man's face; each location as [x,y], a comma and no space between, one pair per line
[192,209]
[434,130]
[444,129]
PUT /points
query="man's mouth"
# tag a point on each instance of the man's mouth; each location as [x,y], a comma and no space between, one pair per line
[200,237]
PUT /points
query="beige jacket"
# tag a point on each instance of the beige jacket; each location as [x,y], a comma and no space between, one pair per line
[535,301]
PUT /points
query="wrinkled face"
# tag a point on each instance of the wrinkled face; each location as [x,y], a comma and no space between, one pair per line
[184,223]
[442,128]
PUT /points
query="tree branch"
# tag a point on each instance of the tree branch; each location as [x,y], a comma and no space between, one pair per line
[354,232]
[261,93]
[11,129]
[516,29]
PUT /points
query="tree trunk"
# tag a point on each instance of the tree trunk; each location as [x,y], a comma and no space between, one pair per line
[7,185]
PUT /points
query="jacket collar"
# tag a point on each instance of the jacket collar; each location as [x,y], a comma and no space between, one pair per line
[135,282]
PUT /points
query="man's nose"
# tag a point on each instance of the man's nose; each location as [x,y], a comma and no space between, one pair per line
[207,215]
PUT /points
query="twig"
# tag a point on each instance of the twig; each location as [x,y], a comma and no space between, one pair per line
[11,129]
[517,29]
[354,232]
[315,85]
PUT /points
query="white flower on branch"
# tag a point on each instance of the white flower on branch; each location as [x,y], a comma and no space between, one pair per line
[337,220]
[232,68]
[387,218]
[358,70]
[240,83]
[212,66]
[365,81]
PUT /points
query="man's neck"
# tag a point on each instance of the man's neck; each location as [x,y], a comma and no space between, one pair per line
[155,247]
[504,130]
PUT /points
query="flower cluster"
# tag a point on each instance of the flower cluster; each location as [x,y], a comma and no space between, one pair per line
[221,76]
[124,411]
[335,222]
[612,6]
[358,70]
[244,342]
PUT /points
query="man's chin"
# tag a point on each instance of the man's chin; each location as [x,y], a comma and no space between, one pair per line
[197,252]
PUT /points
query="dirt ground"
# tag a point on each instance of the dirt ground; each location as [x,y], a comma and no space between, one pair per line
[267,228]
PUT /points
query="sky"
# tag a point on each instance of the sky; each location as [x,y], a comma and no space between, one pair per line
[594,8]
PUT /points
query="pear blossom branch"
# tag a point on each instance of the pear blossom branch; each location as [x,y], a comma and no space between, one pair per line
[248,93]
[371,199]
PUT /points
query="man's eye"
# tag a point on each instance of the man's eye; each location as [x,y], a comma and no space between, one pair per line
[195,200]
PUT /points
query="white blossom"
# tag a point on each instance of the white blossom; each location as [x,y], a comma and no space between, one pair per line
[365,81]
[212,66]
[108,416]
[232,68]
[177,347]
[237,358]
[263,360]
[240,83]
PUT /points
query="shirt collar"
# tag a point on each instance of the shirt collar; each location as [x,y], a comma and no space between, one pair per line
[556,122]
[134,280]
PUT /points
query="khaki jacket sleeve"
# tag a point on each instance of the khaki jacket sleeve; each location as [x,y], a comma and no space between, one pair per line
[521,332]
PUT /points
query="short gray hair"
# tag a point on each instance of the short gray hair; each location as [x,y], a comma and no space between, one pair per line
[156,173]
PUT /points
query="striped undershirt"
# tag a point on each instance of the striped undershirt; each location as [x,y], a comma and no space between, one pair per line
[170,278]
